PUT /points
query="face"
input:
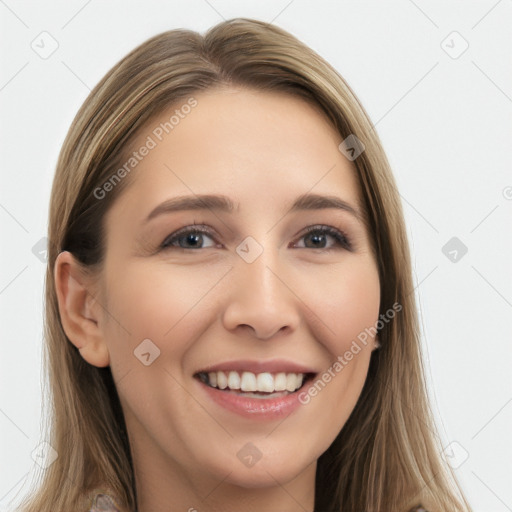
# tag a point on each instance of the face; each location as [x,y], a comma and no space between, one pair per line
[199,294]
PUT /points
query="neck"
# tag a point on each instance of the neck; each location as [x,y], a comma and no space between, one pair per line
[164,485]
[217,496]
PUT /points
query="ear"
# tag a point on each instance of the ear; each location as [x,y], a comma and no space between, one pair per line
[80,312]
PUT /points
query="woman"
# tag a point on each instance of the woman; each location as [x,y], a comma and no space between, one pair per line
[230,310]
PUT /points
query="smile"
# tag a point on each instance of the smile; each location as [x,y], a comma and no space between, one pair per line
[262,396]
[254,382]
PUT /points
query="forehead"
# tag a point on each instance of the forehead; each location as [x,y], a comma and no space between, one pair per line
[246,143]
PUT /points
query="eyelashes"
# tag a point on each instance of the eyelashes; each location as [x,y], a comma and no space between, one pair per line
[195,236]
[340,238]
[186,232]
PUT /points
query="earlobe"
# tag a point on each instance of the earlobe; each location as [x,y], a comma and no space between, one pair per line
[79,311]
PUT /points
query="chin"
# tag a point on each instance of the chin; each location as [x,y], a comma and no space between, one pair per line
[259,478]
[266,472]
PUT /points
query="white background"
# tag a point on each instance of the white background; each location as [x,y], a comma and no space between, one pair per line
[444,123]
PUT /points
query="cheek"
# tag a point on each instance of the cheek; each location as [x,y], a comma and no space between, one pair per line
[158,303]
[347,303]
[348,306]
[168,307]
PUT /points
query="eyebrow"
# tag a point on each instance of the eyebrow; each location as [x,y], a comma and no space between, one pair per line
[222,203]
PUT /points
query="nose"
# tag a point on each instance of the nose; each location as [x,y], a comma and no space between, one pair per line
[260,299]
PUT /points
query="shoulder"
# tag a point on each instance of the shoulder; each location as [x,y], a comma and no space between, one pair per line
[103,503]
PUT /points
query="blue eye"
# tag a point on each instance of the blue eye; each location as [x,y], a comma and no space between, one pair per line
[193,237]
[319,234]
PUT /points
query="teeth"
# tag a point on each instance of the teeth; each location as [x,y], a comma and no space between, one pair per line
[233,380]
[222,380]
[248,381]
[280,382]
[265,382]
[291,381]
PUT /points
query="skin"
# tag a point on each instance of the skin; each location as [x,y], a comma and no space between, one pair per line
[208,305]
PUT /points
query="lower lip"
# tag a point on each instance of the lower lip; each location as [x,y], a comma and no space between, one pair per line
[256,408]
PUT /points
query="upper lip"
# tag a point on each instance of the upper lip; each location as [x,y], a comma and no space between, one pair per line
[259,366]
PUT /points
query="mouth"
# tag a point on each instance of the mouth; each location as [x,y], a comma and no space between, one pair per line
[264,385]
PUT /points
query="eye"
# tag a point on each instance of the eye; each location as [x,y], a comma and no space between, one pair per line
[319,235]
[188,238]
[193,237]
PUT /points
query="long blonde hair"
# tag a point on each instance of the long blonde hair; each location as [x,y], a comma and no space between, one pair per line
[387,455]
